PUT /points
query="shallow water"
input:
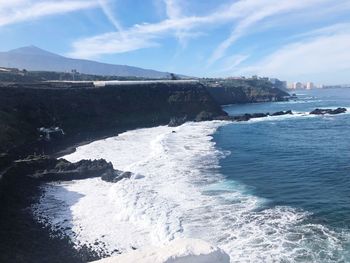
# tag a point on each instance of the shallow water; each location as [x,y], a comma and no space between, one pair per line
[274,189]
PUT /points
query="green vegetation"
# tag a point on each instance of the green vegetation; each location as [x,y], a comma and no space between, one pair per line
[24,76]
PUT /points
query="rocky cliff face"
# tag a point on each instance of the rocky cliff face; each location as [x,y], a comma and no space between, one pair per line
[245,91]
[88,112]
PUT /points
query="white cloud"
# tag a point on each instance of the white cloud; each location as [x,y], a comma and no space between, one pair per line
[261,10]
[111,43]
[301,58]
[14,11]
[245,13]
[148,34]
[317,58]
[109,14]
[231,63]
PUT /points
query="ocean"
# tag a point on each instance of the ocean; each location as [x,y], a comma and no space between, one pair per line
[273,189]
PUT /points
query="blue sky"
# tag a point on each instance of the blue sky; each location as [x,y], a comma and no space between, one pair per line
[294,40]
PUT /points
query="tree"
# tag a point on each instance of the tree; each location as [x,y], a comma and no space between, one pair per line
[173,76]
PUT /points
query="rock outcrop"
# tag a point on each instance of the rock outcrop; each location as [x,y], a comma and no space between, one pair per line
[37,169]
[248,116]
[328,111]
[114,176]
[23,239]
[245,91]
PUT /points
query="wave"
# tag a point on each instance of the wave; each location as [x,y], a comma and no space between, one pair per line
[180,194]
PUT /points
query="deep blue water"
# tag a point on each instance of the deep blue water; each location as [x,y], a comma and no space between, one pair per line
[302,162]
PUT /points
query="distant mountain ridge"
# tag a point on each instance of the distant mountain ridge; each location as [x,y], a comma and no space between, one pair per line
[36,59]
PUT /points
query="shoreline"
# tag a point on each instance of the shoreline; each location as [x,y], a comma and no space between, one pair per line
[17,214]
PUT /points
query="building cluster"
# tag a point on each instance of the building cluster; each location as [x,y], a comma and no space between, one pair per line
[299,85]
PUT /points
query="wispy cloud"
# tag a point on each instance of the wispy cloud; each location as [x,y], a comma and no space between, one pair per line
[146,35]
[262,10]
[243,15]
[104,4]
[325,52]
[14,11]
[232,63]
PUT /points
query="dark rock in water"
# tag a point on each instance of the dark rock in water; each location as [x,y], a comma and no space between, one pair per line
[247,116]
[279,113]
[244,117]
[177,121]
[328,111]
[259,115]
[338,111]
[114,176]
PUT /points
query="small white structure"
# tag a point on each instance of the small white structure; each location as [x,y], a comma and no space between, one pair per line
[178,251]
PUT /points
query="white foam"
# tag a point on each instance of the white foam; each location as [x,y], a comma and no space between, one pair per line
[181,195]
[178,251]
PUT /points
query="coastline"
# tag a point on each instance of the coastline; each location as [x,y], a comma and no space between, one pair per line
[114,109]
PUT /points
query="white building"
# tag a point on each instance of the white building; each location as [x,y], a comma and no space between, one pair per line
[310,85]
[298,85]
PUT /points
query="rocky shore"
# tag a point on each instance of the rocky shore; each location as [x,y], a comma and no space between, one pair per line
[25,240]
[48,118]
[22,238]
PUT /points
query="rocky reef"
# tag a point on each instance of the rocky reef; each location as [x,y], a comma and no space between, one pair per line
[328,111]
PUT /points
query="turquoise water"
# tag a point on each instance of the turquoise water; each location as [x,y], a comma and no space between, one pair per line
[301,161]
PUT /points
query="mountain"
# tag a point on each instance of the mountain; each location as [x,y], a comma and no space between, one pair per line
[33,58]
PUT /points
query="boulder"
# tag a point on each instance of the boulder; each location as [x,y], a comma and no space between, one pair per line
[113,176]
[279,113]
[259,115]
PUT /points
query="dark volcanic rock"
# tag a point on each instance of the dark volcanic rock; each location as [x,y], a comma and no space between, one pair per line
[328,111]
[44,168]
[244,117]
[23,239]
[259,115]
[177,121]
[114,176]
[248,116]
[86,113]
[279,113]
[204,116]
[245,91]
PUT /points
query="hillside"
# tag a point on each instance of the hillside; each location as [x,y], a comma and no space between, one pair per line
[35,59]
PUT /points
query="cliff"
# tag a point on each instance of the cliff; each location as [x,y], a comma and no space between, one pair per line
[85,112]
[244,91]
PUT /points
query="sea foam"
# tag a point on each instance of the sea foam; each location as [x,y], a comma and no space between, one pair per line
[179,193]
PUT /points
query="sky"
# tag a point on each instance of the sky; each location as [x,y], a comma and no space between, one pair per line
[293,40]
